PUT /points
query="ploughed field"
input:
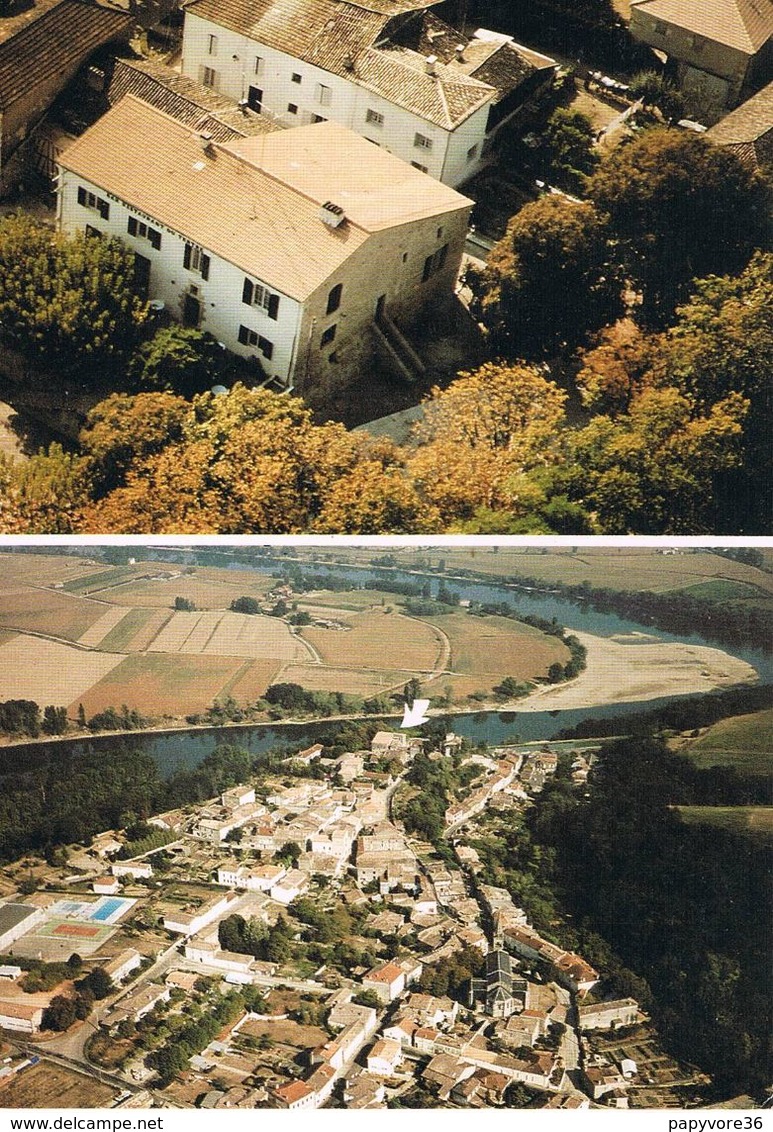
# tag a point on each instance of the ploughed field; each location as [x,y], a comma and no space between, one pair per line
[75,632]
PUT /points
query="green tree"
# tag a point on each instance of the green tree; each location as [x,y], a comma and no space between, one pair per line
[245,605]
[60,1013]
[67,303]
[178,359]
[550,281]
[655,90]
[568,141]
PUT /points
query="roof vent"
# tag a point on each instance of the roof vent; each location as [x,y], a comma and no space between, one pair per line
[332,214]
[430,64]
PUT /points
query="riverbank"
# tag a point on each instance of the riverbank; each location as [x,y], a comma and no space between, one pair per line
[624,671]
[619,670]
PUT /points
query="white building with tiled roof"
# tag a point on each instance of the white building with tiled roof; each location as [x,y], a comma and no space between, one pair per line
[388,69]
[269,242]
[721,50]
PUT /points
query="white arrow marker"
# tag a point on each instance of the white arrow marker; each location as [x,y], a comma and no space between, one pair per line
[414,715]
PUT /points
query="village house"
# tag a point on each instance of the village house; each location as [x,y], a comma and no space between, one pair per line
[361,1090]
[136,1005]
[122,965]
[393,72]
[137,870]
[609,1015]
[295,1095]
[387,981]
[106,885]
[720,51]
[748,131]
[207,223]
[384,1057]
[41,50]
[189,923]
[260,879]
[290,887]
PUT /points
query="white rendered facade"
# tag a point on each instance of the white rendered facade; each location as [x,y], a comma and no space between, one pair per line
[238,67]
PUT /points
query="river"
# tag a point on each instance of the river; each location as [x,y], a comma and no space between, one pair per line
[177,750]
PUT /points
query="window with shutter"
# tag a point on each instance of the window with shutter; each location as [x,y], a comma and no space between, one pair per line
[273,307]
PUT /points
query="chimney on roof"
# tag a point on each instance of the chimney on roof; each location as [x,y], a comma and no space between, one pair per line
[205,141]
[332,214]
[459,52]
[430,64]
[348,62]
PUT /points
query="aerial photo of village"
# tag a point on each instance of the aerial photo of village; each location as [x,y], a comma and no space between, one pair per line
[386,266]
[295,827]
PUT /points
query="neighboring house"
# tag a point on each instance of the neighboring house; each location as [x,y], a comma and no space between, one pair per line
[260,879]
[609,1015]
[391,71]
[269,243]
[122,964]
[720,50]
[386,981]
[290,886]
[384,1057]
[188,923]
[137,870]
[22,1017]
[136,1005]
[748,131]
[106,886]
[295,1095]
[41,50]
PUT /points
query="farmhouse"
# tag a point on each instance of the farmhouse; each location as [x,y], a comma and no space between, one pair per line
[41,49]
[720,50]
[268,243]
[391,71]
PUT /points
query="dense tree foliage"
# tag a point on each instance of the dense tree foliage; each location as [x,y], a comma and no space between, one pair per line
[680,208]
[687,907]
[67,302]
[550,281]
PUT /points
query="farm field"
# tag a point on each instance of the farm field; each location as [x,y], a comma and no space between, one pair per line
[355,681]
[206,588]
[228,634]
[47,611]
[50,672]
[96,633]
[44,569]
[743,742]
[251,681]
[37,1086]
[753,821]
[327,603]
[485,647]
[136,629]
[160,684]
[379,639]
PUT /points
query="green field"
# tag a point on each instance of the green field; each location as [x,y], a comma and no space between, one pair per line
[98,581]
[721,589]
[119,637]
[743,742]
[753,821]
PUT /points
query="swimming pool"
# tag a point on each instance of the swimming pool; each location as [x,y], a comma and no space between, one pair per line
[109,908]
